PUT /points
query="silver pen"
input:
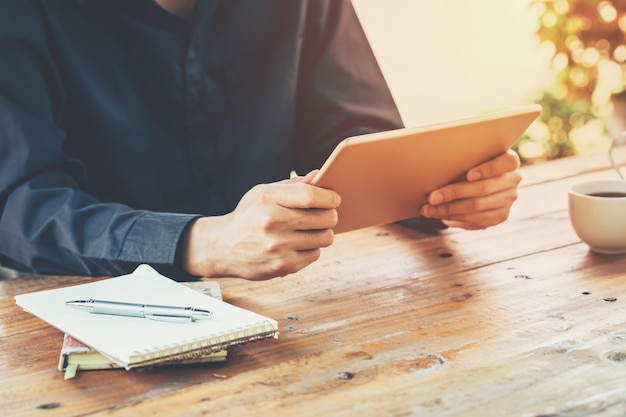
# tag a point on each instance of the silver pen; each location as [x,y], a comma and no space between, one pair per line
[147,311]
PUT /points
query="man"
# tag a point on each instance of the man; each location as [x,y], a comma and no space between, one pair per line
[159,132]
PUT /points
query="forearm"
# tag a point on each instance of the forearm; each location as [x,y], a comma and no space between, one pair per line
[61,230]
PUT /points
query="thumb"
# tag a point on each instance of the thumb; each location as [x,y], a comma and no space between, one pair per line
[307,179]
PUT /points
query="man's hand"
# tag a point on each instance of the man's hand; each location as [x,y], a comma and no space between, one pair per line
[483,200]
[276,229]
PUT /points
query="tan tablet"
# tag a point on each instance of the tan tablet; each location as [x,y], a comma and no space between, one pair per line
[385,177]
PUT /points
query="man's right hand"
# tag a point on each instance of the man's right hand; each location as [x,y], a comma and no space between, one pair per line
[276,229]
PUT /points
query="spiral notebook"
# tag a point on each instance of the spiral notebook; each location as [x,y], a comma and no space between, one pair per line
[132,342]
[76,356]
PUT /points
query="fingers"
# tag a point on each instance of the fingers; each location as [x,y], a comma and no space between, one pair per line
[313,239]
[277,255]
[480,213]
[484,200]
[477,198]
[477,188]
[315,219]
[506,162]
[292,204]
[297,193]
[307,179]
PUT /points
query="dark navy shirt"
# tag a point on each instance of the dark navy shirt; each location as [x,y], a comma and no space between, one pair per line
[121,123]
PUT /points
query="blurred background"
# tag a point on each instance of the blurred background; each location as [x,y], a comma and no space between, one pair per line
[457,58]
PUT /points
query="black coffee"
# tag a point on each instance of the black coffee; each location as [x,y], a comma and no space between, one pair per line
[609,194]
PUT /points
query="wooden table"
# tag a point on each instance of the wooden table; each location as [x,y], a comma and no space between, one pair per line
[517,320]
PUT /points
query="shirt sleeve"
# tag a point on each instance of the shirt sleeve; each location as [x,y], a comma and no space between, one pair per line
[48,224]
[342,89]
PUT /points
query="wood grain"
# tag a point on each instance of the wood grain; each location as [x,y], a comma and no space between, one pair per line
[516,320]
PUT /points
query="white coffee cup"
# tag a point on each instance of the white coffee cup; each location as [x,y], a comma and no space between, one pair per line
[597,211]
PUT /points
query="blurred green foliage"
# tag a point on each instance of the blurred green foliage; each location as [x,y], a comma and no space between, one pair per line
[587,42]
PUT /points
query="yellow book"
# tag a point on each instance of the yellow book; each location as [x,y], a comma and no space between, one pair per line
[76,356]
